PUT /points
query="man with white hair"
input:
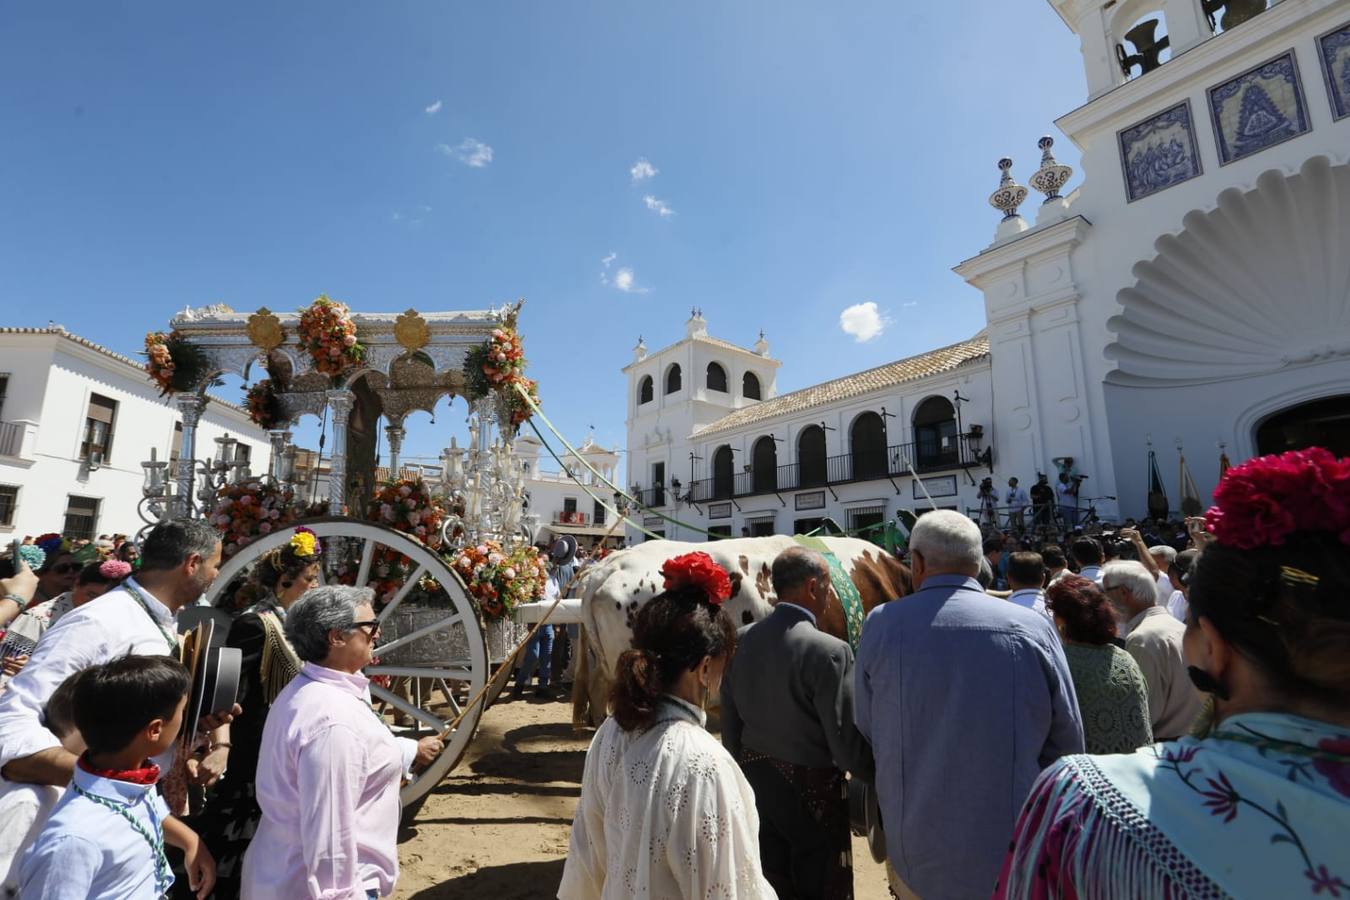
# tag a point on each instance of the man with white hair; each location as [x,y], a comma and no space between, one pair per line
[1154,638]
[965,698]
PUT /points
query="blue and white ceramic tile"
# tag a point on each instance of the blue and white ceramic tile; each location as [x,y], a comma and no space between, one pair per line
[1258,109]
[1159,152]
[1333,49]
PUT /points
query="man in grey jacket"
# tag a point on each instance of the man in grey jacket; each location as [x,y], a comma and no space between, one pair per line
[787,718]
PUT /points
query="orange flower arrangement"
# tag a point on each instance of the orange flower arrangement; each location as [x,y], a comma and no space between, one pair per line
[251,509]
[263,406]
[327,332]
[500,580]
[173,363]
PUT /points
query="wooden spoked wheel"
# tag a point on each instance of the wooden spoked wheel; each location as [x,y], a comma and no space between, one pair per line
[431,657]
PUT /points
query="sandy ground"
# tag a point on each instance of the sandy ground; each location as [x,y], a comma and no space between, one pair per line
[497,827]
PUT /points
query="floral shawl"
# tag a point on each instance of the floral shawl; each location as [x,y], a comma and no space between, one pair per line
[1260,808]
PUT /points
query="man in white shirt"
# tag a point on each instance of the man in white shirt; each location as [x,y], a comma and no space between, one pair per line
[1017,501]
[1066,493]
[1163,556]
[1154,639]
[178,563]
[1026,574]
[1088,554]
[1056,566]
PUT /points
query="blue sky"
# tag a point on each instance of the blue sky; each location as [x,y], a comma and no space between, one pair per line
[809,157]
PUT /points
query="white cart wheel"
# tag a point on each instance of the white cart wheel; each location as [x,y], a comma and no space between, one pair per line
[433,647]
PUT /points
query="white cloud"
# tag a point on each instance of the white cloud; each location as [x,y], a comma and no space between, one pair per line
[472,152]
[642,170]
[658,206]
[433,108]
[624,281]
[863,321]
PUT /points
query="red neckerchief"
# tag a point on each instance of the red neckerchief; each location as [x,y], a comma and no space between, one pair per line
[147,774]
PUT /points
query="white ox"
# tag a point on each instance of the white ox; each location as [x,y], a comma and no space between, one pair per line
[612,592]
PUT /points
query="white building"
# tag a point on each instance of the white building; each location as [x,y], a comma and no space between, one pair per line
[1192,291]
[555,496]
[76,421]
[712,444]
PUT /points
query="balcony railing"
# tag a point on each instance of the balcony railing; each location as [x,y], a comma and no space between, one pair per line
[566,517]
[11,438]
[846,468]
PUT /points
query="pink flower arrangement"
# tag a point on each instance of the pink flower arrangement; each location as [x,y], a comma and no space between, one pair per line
[327,331]
[114,569]
[1263,501]
[247,510]
[501,579]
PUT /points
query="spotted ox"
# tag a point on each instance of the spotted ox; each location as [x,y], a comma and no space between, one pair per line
[614,590]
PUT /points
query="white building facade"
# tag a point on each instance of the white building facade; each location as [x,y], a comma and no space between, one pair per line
[76,422]
[713,445]
[556,496]
[1194,292]
[1191,295]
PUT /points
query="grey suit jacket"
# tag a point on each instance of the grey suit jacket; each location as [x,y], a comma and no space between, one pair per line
[788,693]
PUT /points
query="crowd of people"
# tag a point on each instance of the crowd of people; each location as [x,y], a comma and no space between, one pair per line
[1129,716]
[1032,723]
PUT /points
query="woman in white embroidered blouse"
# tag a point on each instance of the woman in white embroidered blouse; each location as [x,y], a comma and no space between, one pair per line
[665,811]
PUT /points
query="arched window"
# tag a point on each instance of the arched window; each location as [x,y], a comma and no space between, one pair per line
[673,382]
[750,386]
[724,473]
[935,434]
[867,446]
[764,466]
[811,457]
[645,390]
[717,378]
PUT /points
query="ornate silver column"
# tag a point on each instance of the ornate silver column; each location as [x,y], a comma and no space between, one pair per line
[190,405]
[395,433]
[279,438]
[340,403]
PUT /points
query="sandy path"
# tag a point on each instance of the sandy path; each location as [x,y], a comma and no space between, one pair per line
[497,827]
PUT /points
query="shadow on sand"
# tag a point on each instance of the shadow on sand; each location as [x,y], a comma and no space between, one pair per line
[513,881]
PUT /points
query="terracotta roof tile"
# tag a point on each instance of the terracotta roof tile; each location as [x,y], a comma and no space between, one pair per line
[934,362]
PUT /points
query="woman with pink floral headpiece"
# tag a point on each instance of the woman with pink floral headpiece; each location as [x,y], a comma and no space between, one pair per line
[94,580]
[1258,803]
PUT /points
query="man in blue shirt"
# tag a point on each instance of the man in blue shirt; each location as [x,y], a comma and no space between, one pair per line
[965,698]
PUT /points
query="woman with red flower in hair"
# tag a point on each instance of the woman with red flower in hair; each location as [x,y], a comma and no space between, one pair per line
[1257,804]
[664,809]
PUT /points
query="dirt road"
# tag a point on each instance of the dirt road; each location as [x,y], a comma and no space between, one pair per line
[497,827]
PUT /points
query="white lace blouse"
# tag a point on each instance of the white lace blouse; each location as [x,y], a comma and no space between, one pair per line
[664,814]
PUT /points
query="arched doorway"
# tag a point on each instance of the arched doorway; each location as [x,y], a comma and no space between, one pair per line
[867,446]
[764,466]
[935,434]
[1319,423]
[673,381]
[645,390]
[811,470]
[724,473]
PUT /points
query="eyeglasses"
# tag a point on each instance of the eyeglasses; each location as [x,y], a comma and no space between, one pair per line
[372,624]
[66,568]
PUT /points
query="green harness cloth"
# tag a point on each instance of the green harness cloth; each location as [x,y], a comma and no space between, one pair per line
[843,586]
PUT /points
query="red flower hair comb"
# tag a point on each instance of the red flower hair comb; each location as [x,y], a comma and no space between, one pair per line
[1264,500]
[698,569]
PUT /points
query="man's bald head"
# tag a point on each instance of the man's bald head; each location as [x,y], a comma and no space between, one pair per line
[793,570]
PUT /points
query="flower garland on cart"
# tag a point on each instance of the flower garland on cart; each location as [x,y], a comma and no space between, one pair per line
[263,405]
[328,334]
[173,363]
[251,509]
[501,579]
[495,367]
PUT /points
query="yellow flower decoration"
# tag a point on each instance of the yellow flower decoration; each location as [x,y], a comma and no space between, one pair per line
[304,543]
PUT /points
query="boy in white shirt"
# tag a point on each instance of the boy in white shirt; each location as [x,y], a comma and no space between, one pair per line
[24,808]
[105,839]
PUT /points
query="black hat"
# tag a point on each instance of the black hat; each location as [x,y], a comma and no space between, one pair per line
[563,549]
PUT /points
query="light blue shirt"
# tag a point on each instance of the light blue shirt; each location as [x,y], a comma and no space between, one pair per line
[89,851]
[965,699]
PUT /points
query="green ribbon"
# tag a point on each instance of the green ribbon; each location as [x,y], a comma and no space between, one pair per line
[843,586]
